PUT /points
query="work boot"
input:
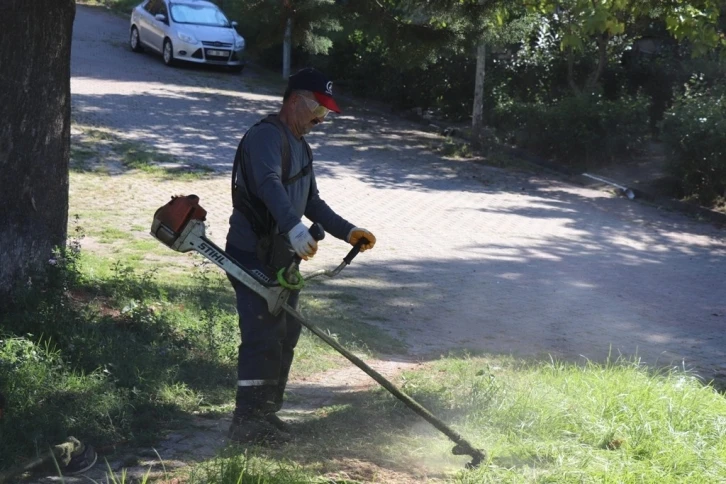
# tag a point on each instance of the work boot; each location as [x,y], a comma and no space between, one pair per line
[278,423]
[256,430]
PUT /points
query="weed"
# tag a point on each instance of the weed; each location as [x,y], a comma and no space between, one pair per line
[243,469]
[80,158]
[455,149]
[112,234]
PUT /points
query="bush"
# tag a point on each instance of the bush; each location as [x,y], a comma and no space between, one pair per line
[363,67]
[578,130]
[694,133]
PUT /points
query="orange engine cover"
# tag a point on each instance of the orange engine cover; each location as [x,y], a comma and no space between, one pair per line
[179,211]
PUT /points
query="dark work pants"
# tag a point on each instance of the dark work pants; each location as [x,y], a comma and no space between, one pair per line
[268,344]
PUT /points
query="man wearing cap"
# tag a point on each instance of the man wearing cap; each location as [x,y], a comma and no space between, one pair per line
[273,186]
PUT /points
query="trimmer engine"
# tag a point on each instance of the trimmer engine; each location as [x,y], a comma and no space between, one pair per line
[180,226]
[171,219]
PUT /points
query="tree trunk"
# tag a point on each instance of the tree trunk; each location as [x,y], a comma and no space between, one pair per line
[571,72]
[287,48]
[34,134]
[602,44]
[477,118]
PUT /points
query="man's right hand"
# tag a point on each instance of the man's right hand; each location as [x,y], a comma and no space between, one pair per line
[302,242]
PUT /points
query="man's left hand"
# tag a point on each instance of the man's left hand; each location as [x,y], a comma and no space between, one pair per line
[358,233]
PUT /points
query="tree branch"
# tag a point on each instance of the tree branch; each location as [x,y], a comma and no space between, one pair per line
[571,72]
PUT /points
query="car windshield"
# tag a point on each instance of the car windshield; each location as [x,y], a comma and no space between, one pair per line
[185,13]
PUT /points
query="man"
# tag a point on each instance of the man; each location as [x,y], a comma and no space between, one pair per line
[273,186]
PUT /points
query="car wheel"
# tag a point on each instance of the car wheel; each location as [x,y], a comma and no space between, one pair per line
[168,53]
[134,40]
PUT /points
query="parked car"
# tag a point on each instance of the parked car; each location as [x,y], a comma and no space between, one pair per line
[186,30]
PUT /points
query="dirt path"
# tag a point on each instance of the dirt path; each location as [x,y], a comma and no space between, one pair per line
[204,438]
[469,257]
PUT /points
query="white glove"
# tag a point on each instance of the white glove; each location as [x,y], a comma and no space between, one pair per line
[302,242]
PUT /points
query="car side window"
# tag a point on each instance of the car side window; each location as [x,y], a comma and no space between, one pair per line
[163,9]
[152,6]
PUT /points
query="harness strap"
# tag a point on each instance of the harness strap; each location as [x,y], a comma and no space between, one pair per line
[252,207]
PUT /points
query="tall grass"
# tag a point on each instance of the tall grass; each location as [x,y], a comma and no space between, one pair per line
[242,469]
[109,359]
[561,422]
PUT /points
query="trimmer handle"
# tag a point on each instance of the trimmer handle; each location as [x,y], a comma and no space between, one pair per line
[355,250]
[317,231]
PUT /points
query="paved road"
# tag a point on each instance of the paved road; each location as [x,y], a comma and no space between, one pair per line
[468,256]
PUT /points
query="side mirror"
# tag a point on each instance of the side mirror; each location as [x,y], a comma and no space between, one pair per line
[234,23]
[160,17]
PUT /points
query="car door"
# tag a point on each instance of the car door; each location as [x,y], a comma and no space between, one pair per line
[158,28]
[146,16]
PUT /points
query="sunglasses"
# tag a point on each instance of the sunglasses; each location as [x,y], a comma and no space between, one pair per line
[318,110]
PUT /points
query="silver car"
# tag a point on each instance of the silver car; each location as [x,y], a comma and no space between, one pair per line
[186,30]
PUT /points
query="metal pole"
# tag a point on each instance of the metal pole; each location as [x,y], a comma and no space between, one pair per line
[623,189]
[287,47]
[463,447]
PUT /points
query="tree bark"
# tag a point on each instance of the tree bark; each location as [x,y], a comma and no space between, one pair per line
[477,118]
[35,42]
[287,48]
[571,72]
[602,44]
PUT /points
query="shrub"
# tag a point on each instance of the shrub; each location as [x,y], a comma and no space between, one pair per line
[363,66]
[694,134]
[578,130]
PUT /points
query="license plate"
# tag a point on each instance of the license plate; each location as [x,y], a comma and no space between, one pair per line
[218,53]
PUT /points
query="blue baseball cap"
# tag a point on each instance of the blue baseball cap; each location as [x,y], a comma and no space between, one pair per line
[311,79]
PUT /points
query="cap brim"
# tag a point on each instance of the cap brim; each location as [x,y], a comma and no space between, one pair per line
[327,101]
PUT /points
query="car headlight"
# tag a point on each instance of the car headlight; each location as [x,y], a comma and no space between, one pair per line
[187,38]
[239,43]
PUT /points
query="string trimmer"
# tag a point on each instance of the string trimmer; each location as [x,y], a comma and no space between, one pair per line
[180,225]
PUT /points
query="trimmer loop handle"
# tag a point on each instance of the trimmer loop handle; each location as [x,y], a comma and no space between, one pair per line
[355,250]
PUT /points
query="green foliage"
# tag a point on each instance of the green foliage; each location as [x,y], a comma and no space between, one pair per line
[48,399]
[577,130]
[364,68]
[107,359]
[582,23]
[415,32]
[120,6]
[262,23]
[696,21]
[694,132]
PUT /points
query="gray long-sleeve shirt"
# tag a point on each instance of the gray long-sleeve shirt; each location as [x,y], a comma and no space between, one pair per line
[262,158]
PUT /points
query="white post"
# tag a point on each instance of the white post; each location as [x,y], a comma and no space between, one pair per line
[287,47]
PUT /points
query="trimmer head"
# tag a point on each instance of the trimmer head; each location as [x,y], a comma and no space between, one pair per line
[477,456]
